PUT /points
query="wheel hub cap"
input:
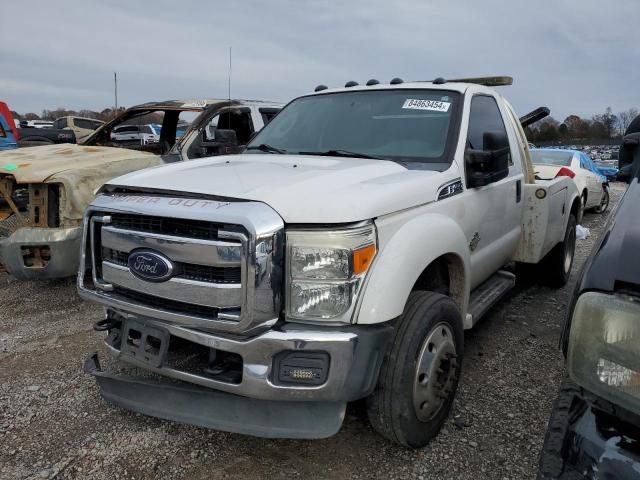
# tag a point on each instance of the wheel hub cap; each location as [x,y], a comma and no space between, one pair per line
[435,373]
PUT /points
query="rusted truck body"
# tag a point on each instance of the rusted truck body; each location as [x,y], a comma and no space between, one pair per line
[44,190]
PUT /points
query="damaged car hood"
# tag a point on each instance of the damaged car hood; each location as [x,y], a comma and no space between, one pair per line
[80,169]
[302,189]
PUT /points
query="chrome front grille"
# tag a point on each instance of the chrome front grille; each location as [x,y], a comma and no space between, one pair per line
[224,256]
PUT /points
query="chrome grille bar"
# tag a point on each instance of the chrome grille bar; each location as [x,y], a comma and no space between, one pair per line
[179,289]
[216,253]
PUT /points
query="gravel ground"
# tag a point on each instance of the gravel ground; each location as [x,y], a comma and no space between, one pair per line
[53,423]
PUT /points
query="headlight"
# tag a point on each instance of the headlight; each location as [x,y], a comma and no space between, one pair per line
[604,347]
[325,270]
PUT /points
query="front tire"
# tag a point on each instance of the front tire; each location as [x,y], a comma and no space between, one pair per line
[420,372]
[551,465]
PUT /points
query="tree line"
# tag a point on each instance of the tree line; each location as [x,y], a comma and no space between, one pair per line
[601,126]
[105,115]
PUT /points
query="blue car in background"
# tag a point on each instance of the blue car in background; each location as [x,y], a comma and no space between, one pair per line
[7,139]
[610,172]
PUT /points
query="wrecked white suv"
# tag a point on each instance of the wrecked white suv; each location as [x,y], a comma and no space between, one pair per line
[340,257]
[44,190]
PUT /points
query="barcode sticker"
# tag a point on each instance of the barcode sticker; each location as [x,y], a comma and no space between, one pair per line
[433,105]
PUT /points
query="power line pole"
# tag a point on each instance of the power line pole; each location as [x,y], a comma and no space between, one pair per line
[115,86]
[229,73]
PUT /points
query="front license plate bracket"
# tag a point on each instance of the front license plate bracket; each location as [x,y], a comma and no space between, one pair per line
[145,343]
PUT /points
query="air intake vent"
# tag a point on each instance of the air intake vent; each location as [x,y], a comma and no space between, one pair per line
[167,226]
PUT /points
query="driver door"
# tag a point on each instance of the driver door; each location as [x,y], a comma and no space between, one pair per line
[495,210]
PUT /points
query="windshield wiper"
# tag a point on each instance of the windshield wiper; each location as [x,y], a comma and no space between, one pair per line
[343,153]
[263,147]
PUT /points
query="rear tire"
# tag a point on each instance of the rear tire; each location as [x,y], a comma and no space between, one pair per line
[34,141]
[604,203]
[583,207]
[420,372]
[556,266]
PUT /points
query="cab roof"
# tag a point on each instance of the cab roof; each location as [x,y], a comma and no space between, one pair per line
[197,104]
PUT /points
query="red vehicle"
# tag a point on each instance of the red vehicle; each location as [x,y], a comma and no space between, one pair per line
[6,113]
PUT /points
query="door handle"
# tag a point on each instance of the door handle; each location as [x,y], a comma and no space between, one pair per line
[518,191]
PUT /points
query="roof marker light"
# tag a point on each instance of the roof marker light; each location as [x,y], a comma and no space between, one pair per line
[319,88]
[373,81]
[396,81]
[350,83]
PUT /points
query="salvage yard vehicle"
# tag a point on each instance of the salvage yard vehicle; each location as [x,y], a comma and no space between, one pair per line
[137,133]
[44,190]
[8,131]
[339,258]
[594,430]
[82,127]
[33,136]
[592,184]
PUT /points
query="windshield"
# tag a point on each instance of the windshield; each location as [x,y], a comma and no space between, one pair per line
[401,125]
[552,157]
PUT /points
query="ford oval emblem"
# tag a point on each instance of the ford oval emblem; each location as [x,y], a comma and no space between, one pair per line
[150,265]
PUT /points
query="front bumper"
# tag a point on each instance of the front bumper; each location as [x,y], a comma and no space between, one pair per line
[259,404]
[599,441]
[63,247]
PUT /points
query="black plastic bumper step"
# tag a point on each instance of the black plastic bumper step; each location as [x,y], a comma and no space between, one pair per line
[218,410]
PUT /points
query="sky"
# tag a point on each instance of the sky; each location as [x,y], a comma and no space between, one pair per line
[574,56]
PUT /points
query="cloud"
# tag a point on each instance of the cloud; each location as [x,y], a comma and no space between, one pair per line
[571,55]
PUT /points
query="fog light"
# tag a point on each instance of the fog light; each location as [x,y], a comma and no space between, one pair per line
[304,368]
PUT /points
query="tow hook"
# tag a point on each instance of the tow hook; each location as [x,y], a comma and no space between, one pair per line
[107,323]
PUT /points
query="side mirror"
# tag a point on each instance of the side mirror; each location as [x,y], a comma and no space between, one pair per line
[225,137]
[224,141]
[489,164]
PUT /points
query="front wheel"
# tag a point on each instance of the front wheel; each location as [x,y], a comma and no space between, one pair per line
[420,372]
[604,203]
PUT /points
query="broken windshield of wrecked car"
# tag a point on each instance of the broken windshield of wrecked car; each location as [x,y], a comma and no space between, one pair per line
[400,125]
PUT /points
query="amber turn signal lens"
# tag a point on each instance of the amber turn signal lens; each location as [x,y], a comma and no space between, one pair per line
[362,258]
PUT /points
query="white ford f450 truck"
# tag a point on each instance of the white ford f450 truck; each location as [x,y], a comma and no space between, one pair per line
[340,257]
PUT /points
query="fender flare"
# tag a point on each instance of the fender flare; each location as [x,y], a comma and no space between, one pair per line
[402,258]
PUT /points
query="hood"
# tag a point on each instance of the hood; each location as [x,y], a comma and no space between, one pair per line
[37,164]
[614,263]
[302,189]
[81,169]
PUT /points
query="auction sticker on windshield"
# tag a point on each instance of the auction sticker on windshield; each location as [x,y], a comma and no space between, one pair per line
[433,105]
